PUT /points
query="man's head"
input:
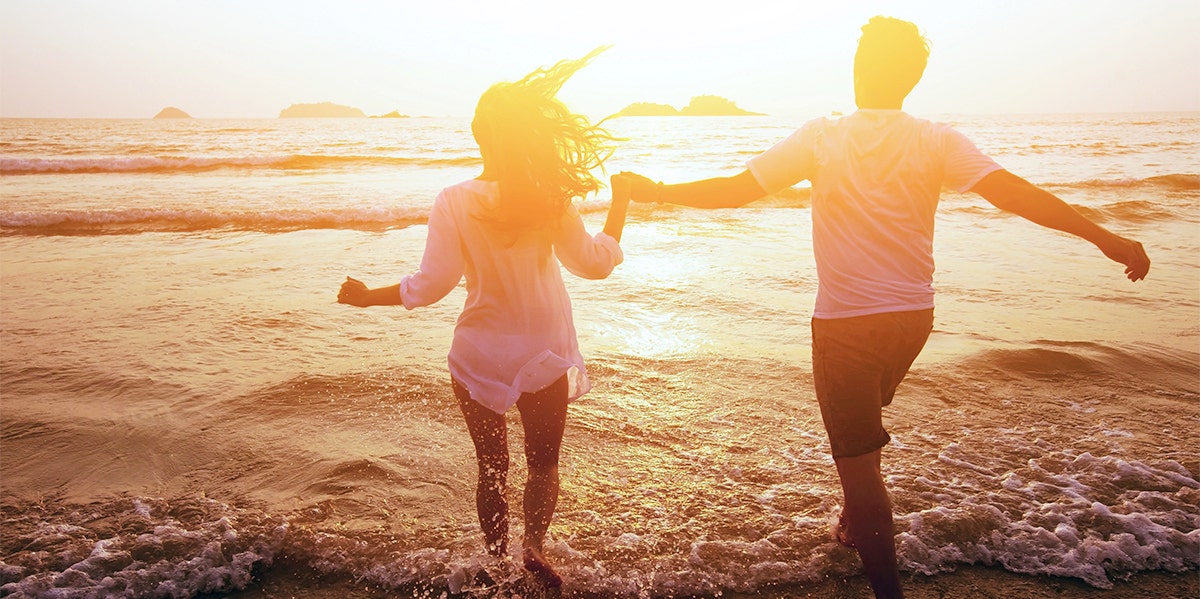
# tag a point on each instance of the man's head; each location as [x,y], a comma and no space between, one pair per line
[890,60]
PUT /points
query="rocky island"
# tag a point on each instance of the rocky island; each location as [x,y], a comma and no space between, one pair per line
[395,114]
[648,109]
[171,112]
[699,106]
[321,110]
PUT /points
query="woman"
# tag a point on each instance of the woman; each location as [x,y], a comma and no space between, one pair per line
[507,231]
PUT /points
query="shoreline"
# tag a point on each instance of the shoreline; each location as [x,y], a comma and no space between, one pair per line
[965,582]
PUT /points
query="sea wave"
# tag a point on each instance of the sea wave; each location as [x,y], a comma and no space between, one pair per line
[191,545]
[1059,361]
[1151,199]
[1185,182]
[82,381]
[1133,211]
[184,220]
[193,164]
[146,220]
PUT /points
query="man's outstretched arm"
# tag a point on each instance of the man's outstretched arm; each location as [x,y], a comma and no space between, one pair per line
[718,192]
[1011,193]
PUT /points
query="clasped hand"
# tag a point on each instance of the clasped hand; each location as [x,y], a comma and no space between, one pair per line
[353,292]
[641,188]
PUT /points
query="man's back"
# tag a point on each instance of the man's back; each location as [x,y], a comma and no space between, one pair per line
[876,176]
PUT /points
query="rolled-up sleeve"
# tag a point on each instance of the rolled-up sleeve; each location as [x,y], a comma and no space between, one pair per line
[441,265]
[584,255]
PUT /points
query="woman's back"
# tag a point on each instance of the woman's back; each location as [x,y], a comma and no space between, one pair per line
[516,333]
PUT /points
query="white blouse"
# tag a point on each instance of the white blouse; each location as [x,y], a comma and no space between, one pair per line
[515,334]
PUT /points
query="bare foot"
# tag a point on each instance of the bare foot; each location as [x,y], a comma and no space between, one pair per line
[536,563]
[841,533]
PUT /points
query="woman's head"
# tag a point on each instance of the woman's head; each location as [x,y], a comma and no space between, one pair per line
[540,152]
[890,60]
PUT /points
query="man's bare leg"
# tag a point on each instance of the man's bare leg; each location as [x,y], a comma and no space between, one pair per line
[868,516]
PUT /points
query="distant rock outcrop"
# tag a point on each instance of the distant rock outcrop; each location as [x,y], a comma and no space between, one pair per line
[648,109]
[395,114]
[321,110]
[699,106]
[714,106]
[171,112]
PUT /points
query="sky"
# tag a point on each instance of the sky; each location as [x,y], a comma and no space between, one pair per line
[251,59]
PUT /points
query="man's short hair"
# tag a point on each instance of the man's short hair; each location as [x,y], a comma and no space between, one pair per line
[891,58]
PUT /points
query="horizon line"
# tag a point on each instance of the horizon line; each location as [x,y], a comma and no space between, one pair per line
[614,115]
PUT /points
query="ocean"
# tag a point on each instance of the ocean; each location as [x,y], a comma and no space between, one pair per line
[185,409]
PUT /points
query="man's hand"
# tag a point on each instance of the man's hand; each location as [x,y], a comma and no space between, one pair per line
[1127,252]
[641,189]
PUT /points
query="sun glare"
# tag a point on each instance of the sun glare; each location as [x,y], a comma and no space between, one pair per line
[436,58]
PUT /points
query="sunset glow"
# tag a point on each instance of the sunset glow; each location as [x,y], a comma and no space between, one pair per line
[254,343]
[229,59]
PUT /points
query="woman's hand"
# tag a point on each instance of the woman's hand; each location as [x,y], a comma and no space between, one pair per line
[354,293]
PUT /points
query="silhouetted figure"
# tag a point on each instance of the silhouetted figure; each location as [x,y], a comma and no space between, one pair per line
[876,176]
[507,231]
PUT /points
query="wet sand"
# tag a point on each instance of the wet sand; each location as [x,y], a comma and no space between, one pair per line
[968,583]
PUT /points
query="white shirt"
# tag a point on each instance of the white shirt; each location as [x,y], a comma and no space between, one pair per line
[515,334]
[876,176]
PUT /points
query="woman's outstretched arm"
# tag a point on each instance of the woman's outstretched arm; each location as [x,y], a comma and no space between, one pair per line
[356,293]
[441,268]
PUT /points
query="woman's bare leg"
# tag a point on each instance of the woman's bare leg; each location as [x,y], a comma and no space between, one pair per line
[544,417]
[489,433]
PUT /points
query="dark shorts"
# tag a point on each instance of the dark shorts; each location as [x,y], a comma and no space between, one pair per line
[857,364]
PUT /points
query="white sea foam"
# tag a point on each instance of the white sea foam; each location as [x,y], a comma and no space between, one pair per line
[1053,521]
[193,164]
[119,164]
[170,219]
[1064,517]
[173,559]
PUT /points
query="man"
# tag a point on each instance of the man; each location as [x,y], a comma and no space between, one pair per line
[876,176]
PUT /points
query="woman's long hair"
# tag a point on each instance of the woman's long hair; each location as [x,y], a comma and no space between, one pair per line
[540,152]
